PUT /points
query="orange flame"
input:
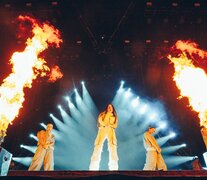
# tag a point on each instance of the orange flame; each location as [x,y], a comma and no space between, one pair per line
[26,67]
[55,74]
[191,48]
[191,80]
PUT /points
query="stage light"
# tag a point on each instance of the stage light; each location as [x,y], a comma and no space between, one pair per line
[135,102]
[143,109]
[75,90]
[197,4]
[54,3]
[163,125]
[174,161]
[78,42]
[51,114]
[126,41]
[26,161]
[43,125]
[78,98]
[33,136]
[83,83]
[174,4]
[29,148]
[21,145]
[128,93]
[59,106]
[121,86]
[29,4]
[183,145]
[70,104]
[149,3]
[172,135]
[67,98]
[172,149]
[195,157]
[153,116]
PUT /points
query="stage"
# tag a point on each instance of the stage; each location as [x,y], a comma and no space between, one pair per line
[183,174]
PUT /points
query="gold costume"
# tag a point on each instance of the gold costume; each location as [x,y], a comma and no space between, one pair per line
[107,125]
[44,152]
[154,159]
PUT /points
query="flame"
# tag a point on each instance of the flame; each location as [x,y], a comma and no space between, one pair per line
[55,74]
[26,66]
[191,48]
[191,80]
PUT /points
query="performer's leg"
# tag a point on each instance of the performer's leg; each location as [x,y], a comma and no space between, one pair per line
[37,160]
[113,157]
[161,163]
[151,160]
[96,157]
[98,146]
[112,147]
[49,160]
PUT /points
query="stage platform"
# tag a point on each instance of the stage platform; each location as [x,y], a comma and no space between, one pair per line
[106,175]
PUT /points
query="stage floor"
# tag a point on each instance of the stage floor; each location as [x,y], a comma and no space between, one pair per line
[186,174]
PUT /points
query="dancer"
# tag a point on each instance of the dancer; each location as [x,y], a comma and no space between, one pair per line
[44,152]
[154,159]
[107,123]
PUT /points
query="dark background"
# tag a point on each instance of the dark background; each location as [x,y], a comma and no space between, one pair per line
[104,42]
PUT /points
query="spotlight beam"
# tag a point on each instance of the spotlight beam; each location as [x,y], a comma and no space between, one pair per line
[88,101]
[81,130]
[162,140]
[33,136]
[66,117]
[43,125]
[171,149]
[26,161]
[84,109]
[58,123]
[29,148]
[173,161]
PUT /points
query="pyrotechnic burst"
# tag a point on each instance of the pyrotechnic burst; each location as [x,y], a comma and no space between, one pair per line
[191,80]
[26,66]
